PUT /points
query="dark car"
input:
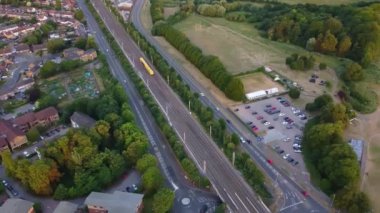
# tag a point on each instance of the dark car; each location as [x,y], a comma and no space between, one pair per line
[268,105]
[236,110]
[247,107]
[228,121]
[290,160]
[286,104]
[248,141]
[279,98]
[271,127]
[249,122]
[254,113]
[295,163]
[312,80]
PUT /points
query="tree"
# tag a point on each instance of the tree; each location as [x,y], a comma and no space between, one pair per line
[327,43]
[319,103]
[41,177]
[135,151]
[34,94]
[235,90]
[80,43]
[354,72]
[333,25]
[78,15]
[335,113]
[163,200]
[33,134]
[294,93]
[147,161]
[151,179]
[55,45]
[344,46]
[90,43]
[8,163]
[58,5]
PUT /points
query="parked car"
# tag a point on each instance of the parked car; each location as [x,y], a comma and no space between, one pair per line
[254,113]
[259,117]
[236,110]
[270,161]
[249,122]
[271,127]
[242,140]
[286,156]
[247,107]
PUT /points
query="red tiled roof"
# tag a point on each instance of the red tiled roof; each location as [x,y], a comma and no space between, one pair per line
[25,118]
[7,129]
[46,113]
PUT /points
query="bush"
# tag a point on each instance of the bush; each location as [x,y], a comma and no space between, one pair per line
[322,66]
[294,93]
[296,62]
[319,103]
[236,16]
[354,72]
[214,10]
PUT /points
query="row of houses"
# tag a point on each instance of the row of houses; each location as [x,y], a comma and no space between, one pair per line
[96,202]
[19,87]
[12,132]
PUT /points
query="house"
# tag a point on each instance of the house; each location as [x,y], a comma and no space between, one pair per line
[6,51]
[88,55]
[114,203]
[16,205]
[41,118]
[32,71]
[22,48]
[80,120]
[66,207]
[6,94]
[10,136]
[72,53]
[39,47]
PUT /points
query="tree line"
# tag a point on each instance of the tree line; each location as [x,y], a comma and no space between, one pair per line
[331,160]
[297,62]
[209,65]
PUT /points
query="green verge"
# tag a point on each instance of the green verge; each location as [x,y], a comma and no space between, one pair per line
[228,143]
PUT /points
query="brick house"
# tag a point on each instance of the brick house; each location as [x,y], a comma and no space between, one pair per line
[10,136]
[44,117]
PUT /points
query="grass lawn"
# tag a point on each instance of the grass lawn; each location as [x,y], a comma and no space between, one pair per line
[240,46]
[328,2]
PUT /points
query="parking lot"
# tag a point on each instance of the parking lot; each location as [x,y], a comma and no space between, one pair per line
[278,124]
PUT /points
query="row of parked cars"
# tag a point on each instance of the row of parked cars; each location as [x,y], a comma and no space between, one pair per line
[286,156]
[10,187]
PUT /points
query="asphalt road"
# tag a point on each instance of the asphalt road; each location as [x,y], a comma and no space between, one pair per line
[291,196]
[167,161]
[229,184]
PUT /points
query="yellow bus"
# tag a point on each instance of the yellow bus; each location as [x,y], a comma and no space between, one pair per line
[147,67]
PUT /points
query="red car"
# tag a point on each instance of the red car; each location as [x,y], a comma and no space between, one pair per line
[259,117]
[270,161]
[255,128]
[304,193]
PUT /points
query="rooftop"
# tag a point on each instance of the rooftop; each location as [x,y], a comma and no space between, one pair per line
[16,205]
[117,202]
[83,120]
[9,131]
[66,207]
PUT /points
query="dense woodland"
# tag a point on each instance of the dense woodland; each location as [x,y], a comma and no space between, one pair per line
[330,160]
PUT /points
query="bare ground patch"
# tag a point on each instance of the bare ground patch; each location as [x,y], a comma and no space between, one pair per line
[259,81]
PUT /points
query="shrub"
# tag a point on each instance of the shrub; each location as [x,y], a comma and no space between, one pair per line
[294,93]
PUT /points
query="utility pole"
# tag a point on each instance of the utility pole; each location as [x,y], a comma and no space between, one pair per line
[210,131]
[190,107]
[204,167]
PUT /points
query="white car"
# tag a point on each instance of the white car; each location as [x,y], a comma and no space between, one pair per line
[202,94]
[297,150]
[281,114]
[286,139]
[286,156]
[285,123]
[267,123]
[242,140]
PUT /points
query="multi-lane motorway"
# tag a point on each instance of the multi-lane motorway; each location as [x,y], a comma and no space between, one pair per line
[169,165]
[292,200]
[228,183]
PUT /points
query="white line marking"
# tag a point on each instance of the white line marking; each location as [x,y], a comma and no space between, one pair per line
[291,206]
[251,204]
[241,201]
[233,202]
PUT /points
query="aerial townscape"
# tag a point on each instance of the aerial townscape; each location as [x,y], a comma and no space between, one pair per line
[183,106]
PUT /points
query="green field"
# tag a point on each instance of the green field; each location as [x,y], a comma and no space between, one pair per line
[327,2]
[240,46]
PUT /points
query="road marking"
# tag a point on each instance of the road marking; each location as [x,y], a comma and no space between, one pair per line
[251,204]
[241,201]
[295,204]
[233,202]
[174,186]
